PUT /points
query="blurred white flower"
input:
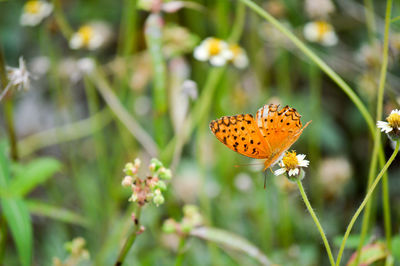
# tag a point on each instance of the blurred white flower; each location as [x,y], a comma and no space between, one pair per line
[34,12]
[92,36]
[319,8]
[291,164]
[18,77]
[334,173]
[189,88]
[214,50]
[239,59]
[320,32]
[74,69]
[39,65]
[243,182]
[86,65]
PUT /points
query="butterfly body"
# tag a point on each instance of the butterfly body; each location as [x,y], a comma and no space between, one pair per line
[267,137]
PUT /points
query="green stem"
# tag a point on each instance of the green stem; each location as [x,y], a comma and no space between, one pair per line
[153,34]
[316,221]
[237,28]
[379,111]
[69,132]
[127,37]
[377,144]
[180,256]
[317,60]
[8,108]
[364,202]
[370,19]
[65,28]
[131,238]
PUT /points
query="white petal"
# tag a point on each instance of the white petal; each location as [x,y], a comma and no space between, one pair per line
[241,61]
[395,112]
[329,39]
[384,126]
[218,60]
[226,53]
[294,171]
[304,163]
[280,171]
[201,53]
[29,19]
[300,157]
[76,42]
[310,32]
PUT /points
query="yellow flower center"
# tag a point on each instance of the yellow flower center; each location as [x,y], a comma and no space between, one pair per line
[394,120]
[86,33]
[290,160]
[33,7]
[323,28]
[214,46]
[235,49]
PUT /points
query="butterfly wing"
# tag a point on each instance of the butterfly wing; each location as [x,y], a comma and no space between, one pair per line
[279,128]
[241,134]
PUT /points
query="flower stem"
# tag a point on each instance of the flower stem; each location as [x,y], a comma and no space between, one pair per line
[8,108]
[364,202]
[316,221]
[179,258]
[65,28]
[130,240]
[377,144]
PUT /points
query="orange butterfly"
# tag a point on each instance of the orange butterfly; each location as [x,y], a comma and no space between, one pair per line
[268,138]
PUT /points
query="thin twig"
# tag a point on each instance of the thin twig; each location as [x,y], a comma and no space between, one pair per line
[122,114]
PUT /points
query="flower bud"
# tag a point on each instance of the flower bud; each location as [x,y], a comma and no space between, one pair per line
[169,226]
[130,169]
[137,162]
[127,181]
[161,185]
[165,173]
[158,199]
[155,165]
[186,226]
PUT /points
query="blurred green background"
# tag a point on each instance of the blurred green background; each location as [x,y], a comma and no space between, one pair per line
[74,139]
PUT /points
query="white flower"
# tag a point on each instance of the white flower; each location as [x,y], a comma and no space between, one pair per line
[86,65]
[321,32]
[291,164]
[215,50]
[19,77]
[239,59]
[91,36]
[392,124]
[34,12]
[319,8]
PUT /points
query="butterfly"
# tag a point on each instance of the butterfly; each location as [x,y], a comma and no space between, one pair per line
[267,137]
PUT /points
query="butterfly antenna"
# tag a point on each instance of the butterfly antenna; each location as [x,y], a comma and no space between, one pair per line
[246,164]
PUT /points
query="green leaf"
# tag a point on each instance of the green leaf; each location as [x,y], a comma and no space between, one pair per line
[33,174]
[395,247]
[16,213]
[232,241]
[57,213]
[370,254]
